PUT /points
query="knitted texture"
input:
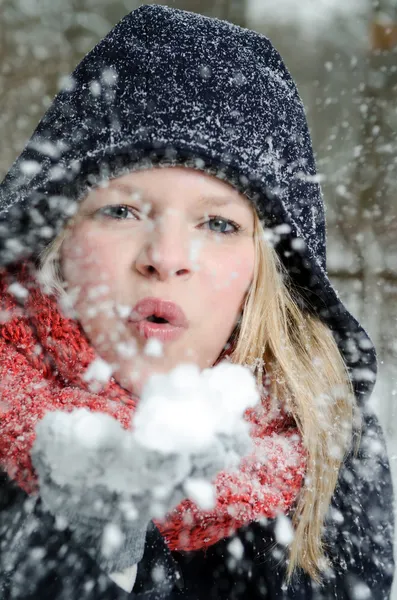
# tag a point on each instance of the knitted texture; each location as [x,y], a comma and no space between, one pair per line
[43,358]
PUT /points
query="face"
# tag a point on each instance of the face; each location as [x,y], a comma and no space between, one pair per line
[167,244]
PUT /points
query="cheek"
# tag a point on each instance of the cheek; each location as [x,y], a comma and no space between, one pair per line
[230,274]
[86,258]
[90,271]
[92,275]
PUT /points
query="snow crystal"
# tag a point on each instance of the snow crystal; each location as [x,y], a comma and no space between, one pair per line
[67,83]
[45,147]
[37,554]
[30,167]
[158,573]
[123,310]
[154,348]
[283,530]
[95,88]
[56,173]
[283,229]
[363,375]
[298,244]
[112,539]
[365,343]
[201,492]
[96,291]
[195,247]
[61,523]
[360,591]
[99,370]
[205,71]
[126,350]
[46,233]
[18,291]
[109,76]
[236,548]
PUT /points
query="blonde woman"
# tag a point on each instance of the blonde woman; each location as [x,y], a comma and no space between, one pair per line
[169,193]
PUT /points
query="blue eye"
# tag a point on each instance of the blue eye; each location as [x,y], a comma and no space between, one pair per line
[220,225]
[120,212]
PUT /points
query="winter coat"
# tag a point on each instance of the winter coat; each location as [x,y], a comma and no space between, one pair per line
[174,87]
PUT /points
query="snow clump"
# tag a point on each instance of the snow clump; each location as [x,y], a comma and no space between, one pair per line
[188,426]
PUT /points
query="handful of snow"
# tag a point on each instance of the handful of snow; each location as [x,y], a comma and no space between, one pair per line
[185,410]
[188,426]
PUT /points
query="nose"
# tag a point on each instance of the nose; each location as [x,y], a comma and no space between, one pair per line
[165,252]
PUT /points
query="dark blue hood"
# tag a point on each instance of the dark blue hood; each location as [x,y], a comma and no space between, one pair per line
[172,86]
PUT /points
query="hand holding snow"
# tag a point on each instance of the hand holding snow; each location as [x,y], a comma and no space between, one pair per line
[188,426]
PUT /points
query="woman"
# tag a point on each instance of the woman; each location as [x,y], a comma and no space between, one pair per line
[177,164]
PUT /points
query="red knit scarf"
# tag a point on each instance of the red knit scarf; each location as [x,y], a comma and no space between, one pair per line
[43,357]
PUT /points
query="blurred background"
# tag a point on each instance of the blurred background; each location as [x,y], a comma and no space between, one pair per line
[343,55]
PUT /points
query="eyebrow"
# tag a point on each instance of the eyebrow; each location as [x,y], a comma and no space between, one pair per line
[202,201]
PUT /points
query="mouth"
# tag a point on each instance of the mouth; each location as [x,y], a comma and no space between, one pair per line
[153,317]
[156,310]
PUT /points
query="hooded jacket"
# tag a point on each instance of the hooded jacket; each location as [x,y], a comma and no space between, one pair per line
[172,87]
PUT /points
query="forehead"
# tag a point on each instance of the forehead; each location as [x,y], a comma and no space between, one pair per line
[165,183]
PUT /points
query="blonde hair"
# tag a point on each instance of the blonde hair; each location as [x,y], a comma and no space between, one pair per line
[306,373]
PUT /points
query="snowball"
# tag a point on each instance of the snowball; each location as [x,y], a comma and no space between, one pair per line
[185,409]
[93,430]
[233,389]
[174,425]
[188,426]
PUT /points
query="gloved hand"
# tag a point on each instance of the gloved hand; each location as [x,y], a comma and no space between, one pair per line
[73,471]
[107,483]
